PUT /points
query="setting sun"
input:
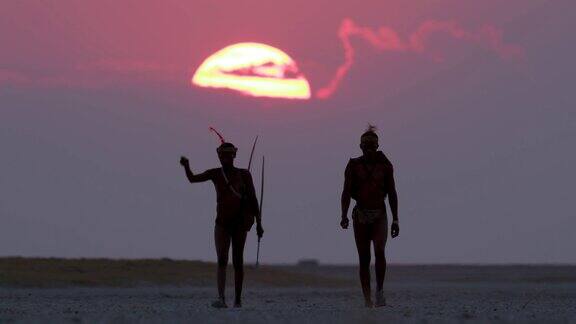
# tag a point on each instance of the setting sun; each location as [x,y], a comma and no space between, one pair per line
[253,69]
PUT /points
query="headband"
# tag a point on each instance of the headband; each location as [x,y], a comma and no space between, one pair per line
[227,149]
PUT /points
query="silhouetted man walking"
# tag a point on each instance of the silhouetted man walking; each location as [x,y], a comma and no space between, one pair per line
[369,179]
[237,206]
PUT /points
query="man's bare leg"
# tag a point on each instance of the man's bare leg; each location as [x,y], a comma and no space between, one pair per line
[362,237]
[238,242]
[379,239]
[222,242]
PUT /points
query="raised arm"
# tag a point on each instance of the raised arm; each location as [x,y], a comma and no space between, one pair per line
[346,196]
[205,176]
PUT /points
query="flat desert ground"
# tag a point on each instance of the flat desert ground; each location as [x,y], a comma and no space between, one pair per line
[172,291]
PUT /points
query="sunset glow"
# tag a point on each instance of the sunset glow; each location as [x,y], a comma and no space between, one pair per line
[253,69]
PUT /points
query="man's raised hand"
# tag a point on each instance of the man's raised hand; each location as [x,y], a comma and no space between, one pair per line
[184,161]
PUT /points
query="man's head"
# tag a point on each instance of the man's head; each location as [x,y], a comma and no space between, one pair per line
[226,154]
[369,141]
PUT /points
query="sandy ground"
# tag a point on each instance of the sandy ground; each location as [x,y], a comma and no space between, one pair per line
[435,302]
[169,291]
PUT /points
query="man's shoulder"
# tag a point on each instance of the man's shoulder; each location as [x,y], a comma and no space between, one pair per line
[384,159]
[355,160]
[244,172]
[352,165]
[213,172]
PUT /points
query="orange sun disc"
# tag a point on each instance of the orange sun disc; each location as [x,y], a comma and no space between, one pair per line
[254,69]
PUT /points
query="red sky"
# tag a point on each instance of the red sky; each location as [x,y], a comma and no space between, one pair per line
[96,108]
[95,44]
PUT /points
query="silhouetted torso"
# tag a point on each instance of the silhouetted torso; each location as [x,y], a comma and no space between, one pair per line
[370,179]
[228,203]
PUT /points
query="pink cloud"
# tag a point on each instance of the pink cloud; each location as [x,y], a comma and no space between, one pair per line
[387,39]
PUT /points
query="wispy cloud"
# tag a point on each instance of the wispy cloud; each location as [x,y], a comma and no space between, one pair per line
[386,39]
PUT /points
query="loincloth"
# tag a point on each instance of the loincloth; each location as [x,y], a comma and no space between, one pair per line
[368,216]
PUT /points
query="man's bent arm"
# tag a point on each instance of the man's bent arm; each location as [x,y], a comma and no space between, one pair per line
[205,176]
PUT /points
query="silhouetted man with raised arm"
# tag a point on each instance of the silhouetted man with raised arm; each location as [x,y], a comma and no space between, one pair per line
[237,206]
[369,179]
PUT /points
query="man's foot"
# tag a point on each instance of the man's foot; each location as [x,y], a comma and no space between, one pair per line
[219,303]
[380,299]
[368,303]
[238,304]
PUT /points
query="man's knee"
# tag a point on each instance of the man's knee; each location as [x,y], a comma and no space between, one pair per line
[238,263]
[379,253]
[222,262]
[365,260]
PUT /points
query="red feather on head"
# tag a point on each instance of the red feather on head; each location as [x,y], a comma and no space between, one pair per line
[222,141]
